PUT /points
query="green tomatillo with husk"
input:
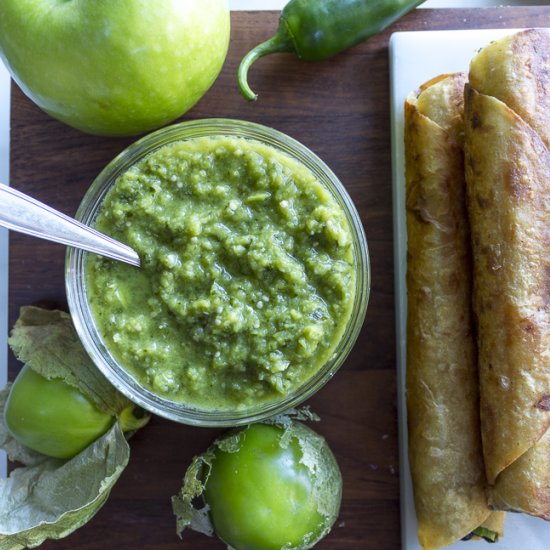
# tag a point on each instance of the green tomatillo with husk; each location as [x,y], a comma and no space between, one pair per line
[64,427]
[270,486]
[53,418]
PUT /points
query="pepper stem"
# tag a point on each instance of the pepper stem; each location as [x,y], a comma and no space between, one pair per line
[279,43]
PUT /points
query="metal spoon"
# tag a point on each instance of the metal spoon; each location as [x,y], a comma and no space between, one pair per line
[22,213]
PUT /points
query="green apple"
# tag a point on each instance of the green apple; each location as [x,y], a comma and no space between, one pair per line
[114,67]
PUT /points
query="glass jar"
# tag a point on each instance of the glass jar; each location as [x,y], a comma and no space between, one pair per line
[83,318]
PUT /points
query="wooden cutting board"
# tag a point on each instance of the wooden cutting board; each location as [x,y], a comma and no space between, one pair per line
[340,109]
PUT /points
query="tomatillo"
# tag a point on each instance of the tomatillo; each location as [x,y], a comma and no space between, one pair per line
[272,486]
[51,417]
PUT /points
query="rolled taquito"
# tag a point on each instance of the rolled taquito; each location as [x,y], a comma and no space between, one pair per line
[507,138]
[444,440]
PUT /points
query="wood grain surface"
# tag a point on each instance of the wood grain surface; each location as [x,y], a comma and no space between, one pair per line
[340,109]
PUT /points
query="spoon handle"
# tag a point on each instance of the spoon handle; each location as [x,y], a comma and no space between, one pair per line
[22,213]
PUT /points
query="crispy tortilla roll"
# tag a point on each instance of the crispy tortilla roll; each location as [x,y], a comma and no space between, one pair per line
[442,381]
[515,70]
[524,485]
[508,175]
[508,180]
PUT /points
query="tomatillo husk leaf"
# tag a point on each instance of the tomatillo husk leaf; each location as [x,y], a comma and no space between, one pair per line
[187,516]
[302,414]
[321,465]
[53,498]
[48,343]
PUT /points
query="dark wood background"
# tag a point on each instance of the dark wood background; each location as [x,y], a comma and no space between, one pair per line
[340,109]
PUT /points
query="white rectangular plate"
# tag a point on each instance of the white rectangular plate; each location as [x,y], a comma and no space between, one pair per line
[416,57]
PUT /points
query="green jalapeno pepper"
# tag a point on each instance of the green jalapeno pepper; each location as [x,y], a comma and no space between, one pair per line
[319,29]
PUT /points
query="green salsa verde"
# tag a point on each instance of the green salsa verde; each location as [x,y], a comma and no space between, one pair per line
[248,273]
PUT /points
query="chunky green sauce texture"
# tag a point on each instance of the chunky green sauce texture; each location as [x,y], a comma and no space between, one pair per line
[248,273]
